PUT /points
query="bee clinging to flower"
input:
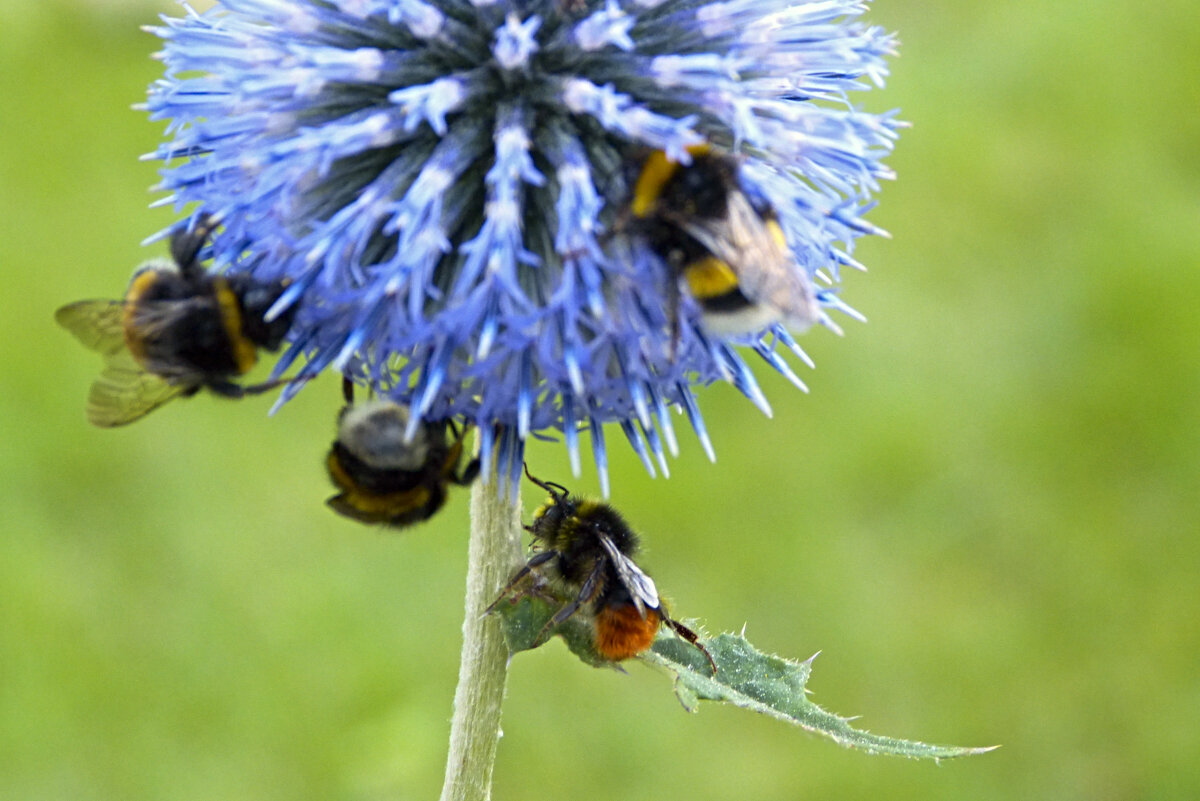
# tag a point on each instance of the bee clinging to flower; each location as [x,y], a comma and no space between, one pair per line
[387,474]
[179,329]
[727,248]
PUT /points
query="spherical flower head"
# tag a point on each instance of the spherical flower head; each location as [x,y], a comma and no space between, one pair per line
[446,185]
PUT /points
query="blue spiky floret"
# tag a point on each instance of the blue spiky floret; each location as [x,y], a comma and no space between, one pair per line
[437,179]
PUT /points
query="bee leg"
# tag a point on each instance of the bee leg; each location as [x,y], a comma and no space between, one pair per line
[590,587]
[348,391]
[674,292]
[230,389]
[538,589]
[536,561]
[687,634]
[186,244]
[469,473]
[258,389]
[673,314]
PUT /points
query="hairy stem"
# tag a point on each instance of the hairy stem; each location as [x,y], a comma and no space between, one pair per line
[494,554]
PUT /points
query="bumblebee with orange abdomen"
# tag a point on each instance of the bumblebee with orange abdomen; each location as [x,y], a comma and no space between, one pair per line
[385,478]
[179,329]
[589,548]
[725,247]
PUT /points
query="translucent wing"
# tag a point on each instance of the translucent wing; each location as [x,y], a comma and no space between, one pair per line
[125,392]
[95,323]
[640,586]
[754,249]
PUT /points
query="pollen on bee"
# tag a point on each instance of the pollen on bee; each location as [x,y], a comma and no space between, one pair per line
[622,633]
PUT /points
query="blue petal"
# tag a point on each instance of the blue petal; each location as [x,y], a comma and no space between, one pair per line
[446,186]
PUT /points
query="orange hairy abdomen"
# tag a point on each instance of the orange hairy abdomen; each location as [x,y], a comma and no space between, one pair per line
[621,632]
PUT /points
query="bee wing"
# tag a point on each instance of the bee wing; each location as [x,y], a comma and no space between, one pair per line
[125,392]
[95,323]
[753,249]
[640,586]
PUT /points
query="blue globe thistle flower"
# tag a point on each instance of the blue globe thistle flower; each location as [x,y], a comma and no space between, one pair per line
[443,182]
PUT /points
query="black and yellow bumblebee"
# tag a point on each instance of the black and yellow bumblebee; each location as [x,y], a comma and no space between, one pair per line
[589,548]
[382,477]
[725,247]
[178,330]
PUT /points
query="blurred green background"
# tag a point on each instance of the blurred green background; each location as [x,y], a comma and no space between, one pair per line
[985,514]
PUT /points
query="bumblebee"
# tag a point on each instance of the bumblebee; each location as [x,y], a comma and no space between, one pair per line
[178,330]
[590,550]
[727,249]
[384,478]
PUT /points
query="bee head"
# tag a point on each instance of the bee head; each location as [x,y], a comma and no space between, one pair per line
[257,298]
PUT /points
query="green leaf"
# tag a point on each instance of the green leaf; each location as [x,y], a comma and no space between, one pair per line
[748,678]
[745,677]
[525,620]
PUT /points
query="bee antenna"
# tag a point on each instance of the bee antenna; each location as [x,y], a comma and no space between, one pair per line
[348,390]
[549,486]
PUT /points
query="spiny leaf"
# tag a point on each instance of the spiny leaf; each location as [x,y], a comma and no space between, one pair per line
[748,678]
[525,622]
[745,677]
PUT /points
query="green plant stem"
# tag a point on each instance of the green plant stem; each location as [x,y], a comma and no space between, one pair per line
[493,555]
